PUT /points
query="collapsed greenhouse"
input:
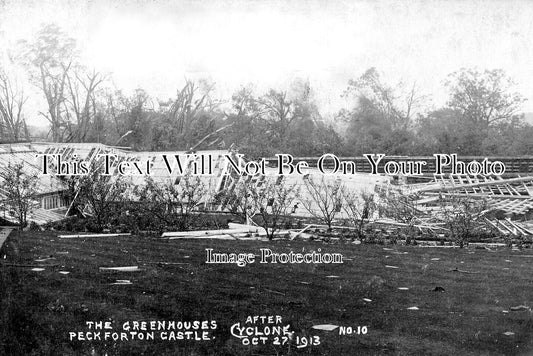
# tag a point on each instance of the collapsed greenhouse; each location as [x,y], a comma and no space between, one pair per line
[507,201]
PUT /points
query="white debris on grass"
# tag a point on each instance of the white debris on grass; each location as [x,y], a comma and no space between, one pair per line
[367,300]
[412,308]
[403,288]
[387,266]
[326,327]
[332,276]
[122,282]
[64,272]
[37,269]
[520,308]
[508,333]
[435,259]
[121,269]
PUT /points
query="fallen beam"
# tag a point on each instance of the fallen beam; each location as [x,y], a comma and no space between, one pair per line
[251,228]
[394,223]
[248,229]
[92,235]
[295,235]
[219,237]
[519,227]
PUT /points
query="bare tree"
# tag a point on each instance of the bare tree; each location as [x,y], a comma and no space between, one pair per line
[100,195]
[239,197]
[80,105]
[190,101]
[49,58]
[20,191]
[359,207]
[172,203]
[12,123]
[187,118]
[273,201]
[464,217]
[400,206]
[323,199]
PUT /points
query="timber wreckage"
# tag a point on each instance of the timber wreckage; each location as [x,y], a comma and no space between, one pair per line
[501,205]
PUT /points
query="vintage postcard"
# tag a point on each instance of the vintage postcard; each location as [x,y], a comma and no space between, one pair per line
[242,177]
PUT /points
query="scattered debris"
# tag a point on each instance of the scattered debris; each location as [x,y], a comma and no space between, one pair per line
[435,259]
[367,300]
[403,288]
[64,272]
[508,333]
[37,269]
[387,266]
[332,276]
[412,308]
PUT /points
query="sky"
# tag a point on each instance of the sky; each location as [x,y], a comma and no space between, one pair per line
[156,44]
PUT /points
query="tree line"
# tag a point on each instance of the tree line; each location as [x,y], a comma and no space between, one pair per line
[481,117]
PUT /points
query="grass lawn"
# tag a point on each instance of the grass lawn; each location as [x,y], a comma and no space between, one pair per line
[40,309]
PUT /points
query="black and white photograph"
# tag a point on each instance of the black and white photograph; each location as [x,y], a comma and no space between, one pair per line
[245,177]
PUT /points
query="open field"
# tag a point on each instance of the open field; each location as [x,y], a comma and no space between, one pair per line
[470,317]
